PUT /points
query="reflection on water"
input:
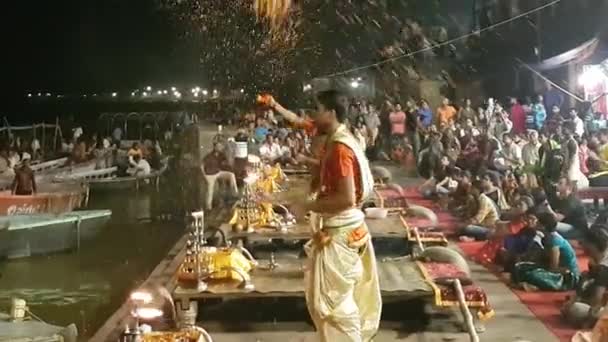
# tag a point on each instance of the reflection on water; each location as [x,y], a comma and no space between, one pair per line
[85,287]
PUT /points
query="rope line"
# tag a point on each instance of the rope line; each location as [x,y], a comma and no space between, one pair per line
[448,42]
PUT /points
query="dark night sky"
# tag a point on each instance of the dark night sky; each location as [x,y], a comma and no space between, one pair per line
[67,46]
[72,46]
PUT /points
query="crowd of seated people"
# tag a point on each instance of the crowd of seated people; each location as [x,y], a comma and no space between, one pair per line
[509,172]
[140,159]
[511,175]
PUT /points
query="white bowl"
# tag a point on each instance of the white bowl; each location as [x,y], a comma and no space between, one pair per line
[376,213]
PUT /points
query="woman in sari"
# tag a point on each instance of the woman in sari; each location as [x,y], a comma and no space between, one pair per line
[507,236]
[560,271]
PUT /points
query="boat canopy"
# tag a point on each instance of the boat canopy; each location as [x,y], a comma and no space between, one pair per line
[138,125]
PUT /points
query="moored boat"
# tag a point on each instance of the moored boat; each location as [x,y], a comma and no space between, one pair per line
[49,165]
[50,199]
[27,235]
[46,171]
[17,327]
[126,183]
[108,179]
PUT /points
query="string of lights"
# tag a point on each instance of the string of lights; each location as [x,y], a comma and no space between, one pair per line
[149,92]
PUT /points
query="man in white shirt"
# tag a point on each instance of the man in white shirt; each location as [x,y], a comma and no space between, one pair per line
[139,166]
[510,155]
[579,125]
[77,133]
[270,150]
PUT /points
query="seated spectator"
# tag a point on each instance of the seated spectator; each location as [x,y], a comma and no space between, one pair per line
[270,151]
[510,156]
[102,154]
[66,146]
[438,183]
[154,155]
[569,211]
[511,187]
[459,203]
[79,153]
[135,150]
[583,309]
[523,245]
[261,131]
[139,166]
[490,187]
[483,223]
[559,272]
[360,132]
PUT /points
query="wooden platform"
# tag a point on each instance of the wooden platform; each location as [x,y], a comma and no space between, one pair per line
[400,278]
[390,227]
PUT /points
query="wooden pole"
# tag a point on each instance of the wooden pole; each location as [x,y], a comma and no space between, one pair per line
[418,239]
[8,126]
[55,133]
[466,314]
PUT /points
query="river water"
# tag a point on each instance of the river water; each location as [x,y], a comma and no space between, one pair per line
[85,287]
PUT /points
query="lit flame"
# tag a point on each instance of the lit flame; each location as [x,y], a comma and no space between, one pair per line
[274,10]
[148,313]
[141,296]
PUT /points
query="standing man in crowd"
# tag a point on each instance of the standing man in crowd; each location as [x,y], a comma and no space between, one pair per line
[446,114]
[467,112]
[216,168]
[24,183]
[518,116]
[426,114]
[579,125]
[539,113]
[412,125]
[372,123]
[397,120]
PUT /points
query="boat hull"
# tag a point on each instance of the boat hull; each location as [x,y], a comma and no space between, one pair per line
[52,199]
[43,234]
[125,183]
[35,331]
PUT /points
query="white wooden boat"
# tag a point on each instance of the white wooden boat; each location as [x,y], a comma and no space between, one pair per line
[107,179]
[46,173]
[48,165]
[86,176]
[127,183]
[27,235]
